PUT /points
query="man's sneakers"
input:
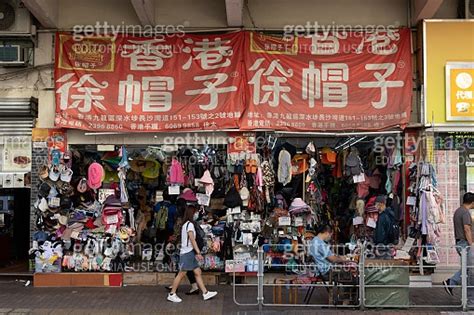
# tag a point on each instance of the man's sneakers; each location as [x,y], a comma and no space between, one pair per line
[209,295]
[447,287]
[174,298]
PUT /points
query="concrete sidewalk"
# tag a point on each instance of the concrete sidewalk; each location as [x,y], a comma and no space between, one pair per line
[15,298]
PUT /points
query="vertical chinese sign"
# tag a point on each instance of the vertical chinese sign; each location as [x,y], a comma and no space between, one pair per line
[331,81]
[133,84]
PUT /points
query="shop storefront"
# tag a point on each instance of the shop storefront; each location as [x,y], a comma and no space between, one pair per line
[283,145]
[17,118]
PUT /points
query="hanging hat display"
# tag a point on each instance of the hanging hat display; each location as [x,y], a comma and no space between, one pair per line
[152,171]
[54,173]
[310,148]
[110,176]
[328,156]
[244,195]
[66,174]
[82,185]
[67,158]
[299,164]
[140,165]
[208,182]
[44,172]
[188,195]
[95,174]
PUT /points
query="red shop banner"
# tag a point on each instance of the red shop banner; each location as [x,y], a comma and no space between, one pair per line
[137,84]
[331,81]
[242,80]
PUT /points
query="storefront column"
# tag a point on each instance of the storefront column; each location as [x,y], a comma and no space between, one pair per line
[39,157]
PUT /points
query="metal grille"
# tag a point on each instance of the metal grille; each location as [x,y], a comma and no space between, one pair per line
[17,116]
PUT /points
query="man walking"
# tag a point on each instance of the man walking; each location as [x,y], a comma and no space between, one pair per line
[463,234]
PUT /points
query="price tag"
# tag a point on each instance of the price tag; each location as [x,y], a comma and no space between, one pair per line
[247,238]
[235,210]
[371,223]
[299,221]
[357,221]
[104,193]
[159,196]
[284,221]
[203,199]
[173,190]
[255,217]
[112,219]
[359,178]
[54,202]
[411,201]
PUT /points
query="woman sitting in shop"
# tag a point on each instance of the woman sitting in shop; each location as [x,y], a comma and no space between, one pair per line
[189,256]
[322,254]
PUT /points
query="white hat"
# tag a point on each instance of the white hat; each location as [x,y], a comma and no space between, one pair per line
[63,219]
[43,205]
[54,173]
[66,175]
[244,195]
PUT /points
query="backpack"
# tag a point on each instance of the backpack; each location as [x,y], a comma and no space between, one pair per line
[161,217]
[199,237]
[393,235]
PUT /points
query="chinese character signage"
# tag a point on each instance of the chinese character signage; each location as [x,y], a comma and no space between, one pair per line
[149,84]
[459,91]
[243,80]
[339,81]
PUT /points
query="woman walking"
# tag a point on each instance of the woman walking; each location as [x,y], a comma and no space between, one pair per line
[175,241]
[189,254]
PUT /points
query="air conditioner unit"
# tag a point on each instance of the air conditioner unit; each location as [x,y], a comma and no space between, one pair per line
[11,55]
[14,20]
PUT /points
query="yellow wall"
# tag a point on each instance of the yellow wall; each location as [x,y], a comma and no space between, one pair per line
[444,41]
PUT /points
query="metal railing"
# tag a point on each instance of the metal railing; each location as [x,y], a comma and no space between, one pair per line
[361,287]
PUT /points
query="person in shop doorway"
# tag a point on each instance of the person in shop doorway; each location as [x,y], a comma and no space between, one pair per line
[463,234]
[322,254]
[181,205]
[189,256]
[383,238]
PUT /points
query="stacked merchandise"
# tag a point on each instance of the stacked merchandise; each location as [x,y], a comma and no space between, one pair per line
[75,230]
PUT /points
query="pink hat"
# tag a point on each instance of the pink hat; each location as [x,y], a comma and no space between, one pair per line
[95,175]
[188,195]
[370,209]
[206,179]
